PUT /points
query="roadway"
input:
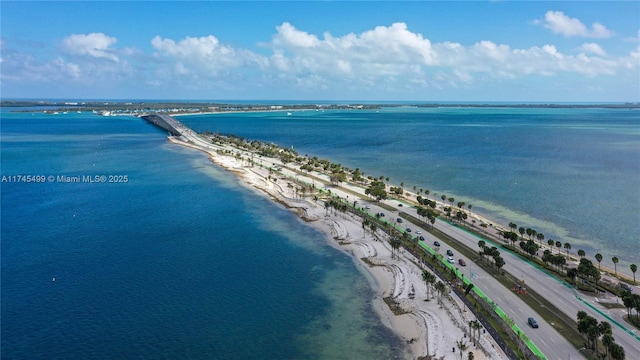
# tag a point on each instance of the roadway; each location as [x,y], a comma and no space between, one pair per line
[564,298]
[548,340]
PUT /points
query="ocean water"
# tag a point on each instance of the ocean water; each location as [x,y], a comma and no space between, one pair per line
[179,262]
[572,174]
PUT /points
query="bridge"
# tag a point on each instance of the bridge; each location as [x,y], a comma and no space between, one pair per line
[166,122]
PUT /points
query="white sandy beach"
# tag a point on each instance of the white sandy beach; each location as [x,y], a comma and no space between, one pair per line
[431,329]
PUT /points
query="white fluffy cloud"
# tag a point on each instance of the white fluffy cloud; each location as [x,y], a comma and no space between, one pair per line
[395,54]
[593,48]
[383,60]
[560,23]
[392,58]
[97,45]
[205,53]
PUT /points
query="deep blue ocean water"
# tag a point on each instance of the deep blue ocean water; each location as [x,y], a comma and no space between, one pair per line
[572,174]
[180,262]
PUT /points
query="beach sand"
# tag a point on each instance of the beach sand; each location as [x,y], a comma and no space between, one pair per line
[429,327]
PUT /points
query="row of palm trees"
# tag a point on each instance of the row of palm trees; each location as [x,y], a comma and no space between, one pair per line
[433,283]
[631,301]
[492,252]
[602,331]
[531,233]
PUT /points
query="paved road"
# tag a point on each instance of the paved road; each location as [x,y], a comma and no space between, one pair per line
[563,297]
[567,300]
[547,338]
[550,342]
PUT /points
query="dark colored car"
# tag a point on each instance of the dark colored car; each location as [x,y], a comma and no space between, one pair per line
[421,238]
[436,243]
[399,220]
[533,322]
[449,252]
[625,287]
[462,262]
[408,229]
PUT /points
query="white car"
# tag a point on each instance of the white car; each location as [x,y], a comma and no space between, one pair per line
[418,232]
[450,260]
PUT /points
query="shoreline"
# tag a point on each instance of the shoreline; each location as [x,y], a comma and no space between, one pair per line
[427,327]
[500,216]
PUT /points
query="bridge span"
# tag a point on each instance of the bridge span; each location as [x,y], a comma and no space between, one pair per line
[166,122]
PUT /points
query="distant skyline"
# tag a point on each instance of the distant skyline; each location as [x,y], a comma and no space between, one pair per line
[558,51]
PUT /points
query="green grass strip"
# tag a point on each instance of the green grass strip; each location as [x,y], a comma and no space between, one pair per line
[555,277]
[536,351]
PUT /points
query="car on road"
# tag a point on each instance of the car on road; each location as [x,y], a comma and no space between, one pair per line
[449,252]
[436,243]
[532,322]
[399,205]
[418,232]
[625,287]
[450,260]
[381,214]
[399,220]
[462,262]
[421,238]
[367,207]
[408,229]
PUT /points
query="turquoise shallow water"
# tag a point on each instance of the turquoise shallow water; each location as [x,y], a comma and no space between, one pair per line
[179,262]
[572,174]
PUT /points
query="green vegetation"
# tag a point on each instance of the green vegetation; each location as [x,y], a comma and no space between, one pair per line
[376,188]
[599,337]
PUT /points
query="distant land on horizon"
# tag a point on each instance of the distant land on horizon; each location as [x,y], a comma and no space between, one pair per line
[194,106]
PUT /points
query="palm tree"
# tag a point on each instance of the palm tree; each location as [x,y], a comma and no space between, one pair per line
[616,351]
[540,237]
[475,324]
[615,264]
[634,268]
[429,280]
[581,253]
[558,245]
[568,247]
[513,226]
[607,340]
[441,288]
[599,259]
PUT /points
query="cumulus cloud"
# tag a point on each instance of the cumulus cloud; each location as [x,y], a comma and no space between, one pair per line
[97,45]
[397,57]
[383,59]
[203,60]
[83,59]
[592,48]
[560,23]
[392,58]
[25,68]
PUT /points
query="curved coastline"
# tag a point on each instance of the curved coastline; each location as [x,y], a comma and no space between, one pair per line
[237,166]
[428,327]
[589,225]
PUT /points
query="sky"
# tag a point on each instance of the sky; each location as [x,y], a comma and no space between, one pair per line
[523,51]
